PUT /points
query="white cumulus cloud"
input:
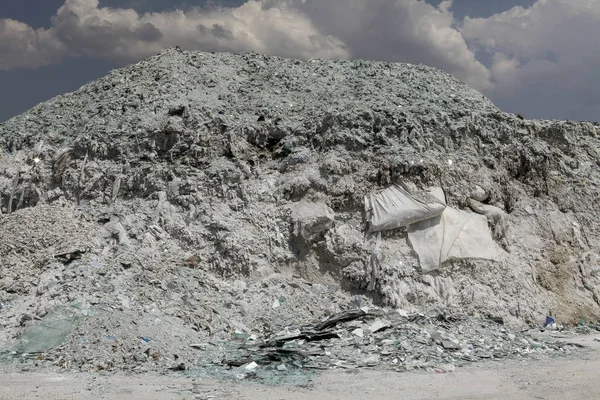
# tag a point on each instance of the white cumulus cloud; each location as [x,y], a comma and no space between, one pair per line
[83,27]
[23,46]
[400,30]
[545,58]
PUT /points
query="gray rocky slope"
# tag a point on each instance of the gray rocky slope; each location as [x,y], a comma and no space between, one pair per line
[196,190]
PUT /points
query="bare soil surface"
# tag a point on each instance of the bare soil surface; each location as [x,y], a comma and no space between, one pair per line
[566,378]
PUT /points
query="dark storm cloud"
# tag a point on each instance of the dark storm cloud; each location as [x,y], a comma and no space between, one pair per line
[216,31]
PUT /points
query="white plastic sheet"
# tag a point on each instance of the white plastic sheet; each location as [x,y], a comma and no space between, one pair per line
[395,207]
[454,234]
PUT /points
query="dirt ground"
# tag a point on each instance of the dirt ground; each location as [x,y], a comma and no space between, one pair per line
[558,378]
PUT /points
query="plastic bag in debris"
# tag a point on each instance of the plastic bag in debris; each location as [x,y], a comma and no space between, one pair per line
[396,207]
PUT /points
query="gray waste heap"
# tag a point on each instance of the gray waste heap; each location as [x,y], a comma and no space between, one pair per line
[195,196]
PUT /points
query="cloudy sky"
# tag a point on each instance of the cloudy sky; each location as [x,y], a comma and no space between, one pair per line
[539,58]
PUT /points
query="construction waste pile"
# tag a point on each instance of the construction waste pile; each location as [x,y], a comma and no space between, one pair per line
[243,214]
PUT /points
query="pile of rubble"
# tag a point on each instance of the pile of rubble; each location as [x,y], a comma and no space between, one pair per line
[373,338]
[200,199]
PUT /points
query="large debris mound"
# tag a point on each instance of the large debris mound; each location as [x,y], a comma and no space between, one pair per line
[192,186]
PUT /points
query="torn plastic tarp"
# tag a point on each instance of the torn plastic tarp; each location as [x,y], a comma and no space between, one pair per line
[396,207]
[454,234]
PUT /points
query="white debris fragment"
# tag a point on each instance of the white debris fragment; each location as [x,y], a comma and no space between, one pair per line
[281,367]
[379,325]
[252,366]
[358,332]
